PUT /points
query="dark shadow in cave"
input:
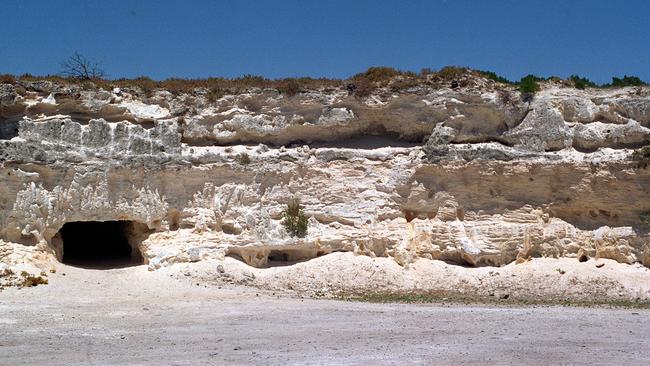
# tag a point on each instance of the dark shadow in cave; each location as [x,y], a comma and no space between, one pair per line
[99,244]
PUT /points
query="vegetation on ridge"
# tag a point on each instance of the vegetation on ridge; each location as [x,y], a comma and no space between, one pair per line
[528,84]
[581,82]
[78,69]
[627,81]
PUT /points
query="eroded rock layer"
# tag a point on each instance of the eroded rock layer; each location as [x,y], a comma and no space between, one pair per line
[478,175]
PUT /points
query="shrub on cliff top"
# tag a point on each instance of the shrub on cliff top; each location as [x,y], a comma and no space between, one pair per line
[377,74]
[581,83]
[627,81]
[493,76]
[288,87]
[362,84]
[451,72]
[528,84]
[295,220]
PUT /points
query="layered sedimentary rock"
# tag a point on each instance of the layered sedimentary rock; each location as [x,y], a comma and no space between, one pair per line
[477,175]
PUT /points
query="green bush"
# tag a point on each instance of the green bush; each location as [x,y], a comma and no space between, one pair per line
[528,84]
[581,83]
[627,81]
[644,217]
[642,156]
[493,76]
[295,220]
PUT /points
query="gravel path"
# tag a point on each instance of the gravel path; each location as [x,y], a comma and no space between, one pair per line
[134,317]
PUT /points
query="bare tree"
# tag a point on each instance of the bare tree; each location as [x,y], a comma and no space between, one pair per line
[79,67]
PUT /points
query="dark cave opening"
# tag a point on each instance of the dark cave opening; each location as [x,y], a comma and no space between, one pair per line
[99,244]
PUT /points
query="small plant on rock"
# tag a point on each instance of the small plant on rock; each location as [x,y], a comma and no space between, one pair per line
[644,217]
[295,220]
[243,159]
[642,157]
[29,280]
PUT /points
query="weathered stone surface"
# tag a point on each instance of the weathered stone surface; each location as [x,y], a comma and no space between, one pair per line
[498,179]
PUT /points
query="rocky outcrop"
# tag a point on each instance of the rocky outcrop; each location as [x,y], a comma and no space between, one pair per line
[473,176]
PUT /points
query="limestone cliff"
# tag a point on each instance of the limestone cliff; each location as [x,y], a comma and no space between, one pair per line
[476,174]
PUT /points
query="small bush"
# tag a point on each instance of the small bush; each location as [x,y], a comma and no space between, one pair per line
[627,81]
[214,94]
[642,156]
[581,83]
[243,159]
[528,84]
[493,76]
[30,281]
[377,74]
[451,72]
[644,218]
[146,84]
[288,87]
[364,83]
[362,87]
[426,71]
[404,83]
[295,220]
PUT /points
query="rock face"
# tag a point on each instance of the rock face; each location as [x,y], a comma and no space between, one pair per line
[473,176]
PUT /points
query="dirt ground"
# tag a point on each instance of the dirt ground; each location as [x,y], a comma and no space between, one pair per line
[173,316]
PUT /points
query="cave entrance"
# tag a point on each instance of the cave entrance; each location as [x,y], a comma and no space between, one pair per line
[99,244]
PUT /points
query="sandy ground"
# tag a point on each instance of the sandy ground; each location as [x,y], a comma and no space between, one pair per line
[131,316]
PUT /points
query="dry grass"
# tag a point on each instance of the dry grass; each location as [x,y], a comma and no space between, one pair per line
[29,280]
[360,85]
[214,87]
[7,79]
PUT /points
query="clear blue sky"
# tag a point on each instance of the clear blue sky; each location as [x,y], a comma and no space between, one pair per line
[336,38]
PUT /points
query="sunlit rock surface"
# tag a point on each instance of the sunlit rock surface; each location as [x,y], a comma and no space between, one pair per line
[473,175]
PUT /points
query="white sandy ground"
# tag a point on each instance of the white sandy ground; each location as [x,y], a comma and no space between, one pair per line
[200,313]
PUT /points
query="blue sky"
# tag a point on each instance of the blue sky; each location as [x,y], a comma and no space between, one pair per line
[166,38]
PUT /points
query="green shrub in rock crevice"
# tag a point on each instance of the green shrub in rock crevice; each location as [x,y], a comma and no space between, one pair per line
[295,220]
[642,156]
